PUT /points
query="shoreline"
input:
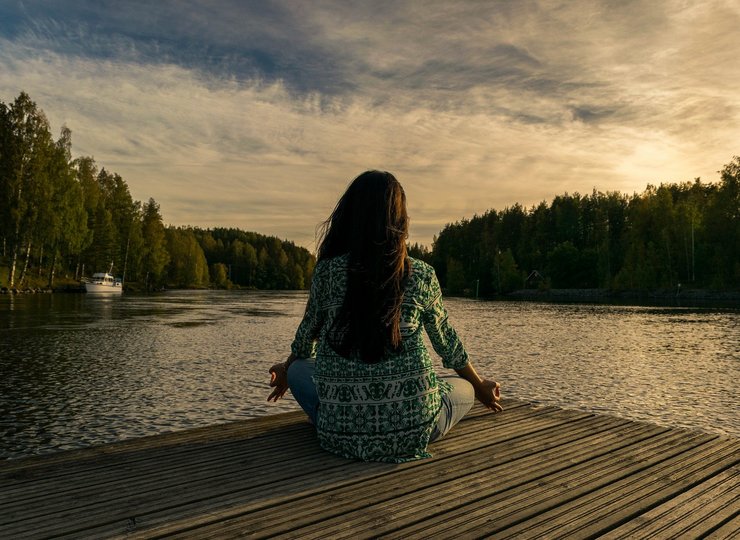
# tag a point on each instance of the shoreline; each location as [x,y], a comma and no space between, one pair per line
[685,297]
[659,297]
[697,296]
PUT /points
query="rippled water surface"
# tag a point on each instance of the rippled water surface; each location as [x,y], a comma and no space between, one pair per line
[76,370]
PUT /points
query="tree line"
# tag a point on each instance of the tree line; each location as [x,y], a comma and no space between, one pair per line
[65,216]
[676,234]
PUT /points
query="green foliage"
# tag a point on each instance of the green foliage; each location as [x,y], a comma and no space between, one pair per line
[155,255]
[255,260]
[188,266]
[26,149]
[219,276]
[508,276]
[722,226]
[455,276]
[685,233]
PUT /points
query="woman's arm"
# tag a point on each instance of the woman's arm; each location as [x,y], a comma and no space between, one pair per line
[448,345]
[304,343]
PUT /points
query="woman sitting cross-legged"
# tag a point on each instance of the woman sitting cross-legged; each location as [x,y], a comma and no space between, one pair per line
[359,366]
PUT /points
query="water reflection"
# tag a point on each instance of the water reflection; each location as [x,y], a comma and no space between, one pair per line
[665,365]
[77,370]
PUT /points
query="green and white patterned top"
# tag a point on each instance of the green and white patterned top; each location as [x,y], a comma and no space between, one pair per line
[384,411]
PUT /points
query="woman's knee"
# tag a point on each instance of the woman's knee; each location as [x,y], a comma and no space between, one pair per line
[469,391]
[300,372]
[300,382]
[462,390]
[295,368]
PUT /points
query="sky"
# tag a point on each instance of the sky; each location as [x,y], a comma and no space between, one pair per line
[257,114]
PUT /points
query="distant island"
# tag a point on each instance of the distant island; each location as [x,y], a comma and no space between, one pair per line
[62,218]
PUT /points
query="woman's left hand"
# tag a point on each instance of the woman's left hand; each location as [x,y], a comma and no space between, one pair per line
[489,393]
[279,381]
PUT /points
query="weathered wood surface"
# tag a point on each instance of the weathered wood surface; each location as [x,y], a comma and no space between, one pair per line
[529,472]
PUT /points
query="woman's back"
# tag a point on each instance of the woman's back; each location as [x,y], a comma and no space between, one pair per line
[384,410]
[358,365]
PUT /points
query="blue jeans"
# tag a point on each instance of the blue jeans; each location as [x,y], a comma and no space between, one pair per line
[455,404]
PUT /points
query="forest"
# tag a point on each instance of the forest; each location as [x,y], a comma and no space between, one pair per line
[64,217]
[667,237]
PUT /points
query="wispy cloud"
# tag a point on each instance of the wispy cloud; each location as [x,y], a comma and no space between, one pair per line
[257,115]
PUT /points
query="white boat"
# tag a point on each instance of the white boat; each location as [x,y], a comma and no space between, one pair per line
[103,282]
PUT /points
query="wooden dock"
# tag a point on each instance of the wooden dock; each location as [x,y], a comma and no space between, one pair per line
[529,472]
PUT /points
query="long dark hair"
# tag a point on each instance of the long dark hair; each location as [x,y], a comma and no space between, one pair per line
[370,224]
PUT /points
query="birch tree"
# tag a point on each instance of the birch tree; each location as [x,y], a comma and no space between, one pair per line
[26,144]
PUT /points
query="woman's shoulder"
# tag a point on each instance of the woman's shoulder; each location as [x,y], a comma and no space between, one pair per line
[331,264]
[420,268]
[422,282]
[337,260]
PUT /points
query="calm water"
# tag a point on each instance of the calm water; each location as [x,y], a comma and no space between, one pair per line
[76,370]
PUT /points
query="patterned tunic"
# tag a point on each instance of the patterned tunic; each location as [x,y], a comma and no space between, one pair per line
[384,411]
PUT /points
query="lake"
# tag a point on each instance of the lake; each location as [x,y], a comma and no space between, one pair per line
[78,370]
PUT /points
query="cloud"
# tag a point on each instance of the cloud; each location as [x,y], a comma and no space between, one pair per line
[228,39]
[258,115]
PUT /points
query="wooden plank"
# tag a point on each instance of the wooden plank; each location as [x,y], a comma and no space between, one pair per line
[244,454]
[595,511]
[517,503]
[245,429]
[78,464]
[360,466]
[338,503]
[163,494]
[509,404]
[531,471]
[692,514]
[350,475]
[182,454]
[729,530]
[114,506]
[449,505]
[114,467]
[266,453]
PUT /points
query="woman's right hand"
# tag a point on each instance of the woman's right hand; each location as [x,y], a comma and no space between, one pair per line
[279,381]
[489,394]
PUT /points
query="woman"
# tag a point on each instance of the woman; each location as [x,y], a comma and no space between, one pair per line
[358,365]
